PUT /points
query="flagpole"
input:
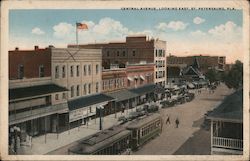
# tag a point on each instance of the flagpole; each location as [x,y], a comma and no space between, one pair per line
[76,35]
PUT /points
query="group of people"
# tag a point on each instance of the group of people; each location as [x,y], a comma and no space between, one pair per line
[177,121]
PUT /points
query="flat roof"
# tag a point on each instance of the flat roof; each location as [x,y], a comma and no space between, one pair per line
[32,91]
[88,101]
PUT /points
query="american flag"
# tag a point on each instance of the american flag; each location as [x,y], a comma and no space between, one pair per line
[81,26]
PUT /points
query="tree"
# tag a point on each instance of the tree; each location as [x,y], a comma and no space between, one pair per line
[234,78]
[212,75]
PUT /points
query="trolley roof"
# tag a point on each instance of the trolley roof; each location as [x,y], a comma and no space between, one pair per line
[141,121]
[99,140]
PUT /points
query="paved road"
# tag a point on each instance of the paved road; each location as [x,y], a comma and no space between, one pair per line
[190,115]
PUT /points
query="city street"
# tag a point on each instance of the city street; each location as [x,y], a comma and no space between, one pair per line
[183,139]
[172,140]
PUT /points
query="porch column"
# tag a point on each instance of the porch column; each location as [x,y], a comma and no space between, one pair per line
[211,129]
[45,136]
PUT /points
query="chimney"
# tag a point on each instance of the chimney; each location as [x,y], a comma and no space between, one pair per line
[36,47]
[51,46]
[16,49]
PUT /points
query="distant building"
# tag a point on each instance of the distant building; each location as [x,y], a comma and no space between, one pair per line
[134,50]
[33,104]
[227,125]
[205,62]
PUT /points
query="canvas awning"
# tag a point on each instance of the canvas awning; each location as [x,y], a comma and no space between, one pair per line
[142,77]
[130,79]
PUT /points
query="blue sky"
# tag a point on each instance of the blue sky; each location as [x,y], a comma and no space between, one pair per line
[192,29]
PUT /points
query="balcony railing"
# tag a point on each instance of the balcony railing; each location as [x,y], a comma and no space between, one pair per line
[228,143]
[37,112]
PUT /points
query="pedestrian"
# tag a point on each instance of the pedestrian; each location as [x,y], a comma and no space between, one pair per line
[168,120]
[177,122]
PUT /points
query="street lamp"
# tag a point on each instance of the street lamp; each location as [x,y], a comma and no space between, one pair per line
[100,107]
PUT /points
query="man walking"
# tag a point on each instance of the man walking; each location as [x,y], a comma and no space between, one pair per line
[168,120]
[177,122]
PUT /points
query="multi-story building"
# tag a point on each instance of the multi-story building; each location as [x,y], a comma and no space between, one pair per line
[80,71]
[134,50]
[205,62]
[33,106]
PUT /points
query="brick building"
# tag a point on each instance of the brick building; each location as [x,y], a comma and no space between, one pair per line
[205,62]
[32,104]
[134,50]
[29,63]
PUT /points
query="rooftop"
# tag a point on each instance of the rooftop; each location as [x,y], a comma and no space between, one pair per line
[32,91]
[231,109]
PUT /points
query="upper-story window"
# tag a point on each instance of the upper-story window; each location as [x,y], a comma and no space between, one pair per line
[97,87]
[133,52]
[77,70]
[107,53]
[20,72]
[89,69]
[71,70]
[89,88]
[64,96]
[123,53]
[77,90]
[85,70]
[41,71]
[63,72]
[72,89]
[118,53]
[57,72]
[156,53]
[57,97]
[85,89]
[97,68]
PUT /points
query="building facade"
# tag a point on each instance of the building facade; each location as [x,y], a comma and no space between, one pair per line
[136,49]
[80,71]
[32,104]
[205,62]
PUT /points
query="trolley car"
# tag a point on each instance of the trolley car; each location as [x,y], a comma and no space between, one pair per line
[144,129]
[112,141]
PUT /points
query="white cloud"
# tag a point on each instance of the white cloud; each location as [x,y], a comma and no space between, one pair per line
[198,33]
[37,31]
[63,30]
[198,20]
[174,25]
[227,30]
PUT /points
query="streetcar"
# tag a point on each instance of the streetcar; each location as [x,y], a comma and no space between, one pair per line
[144,129]
[112,141]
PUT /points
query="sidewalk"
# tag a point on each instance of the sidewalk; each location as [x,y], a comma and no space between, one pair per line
[53,143]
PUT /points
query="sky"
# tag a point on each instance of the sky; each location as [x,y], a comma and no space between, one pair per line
[187,32]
